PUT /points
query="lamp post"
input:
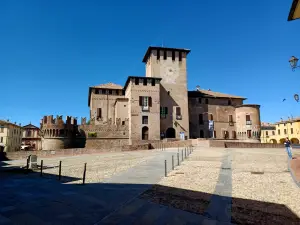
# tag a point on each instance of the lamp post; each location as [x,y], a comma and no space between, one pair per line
[294,62]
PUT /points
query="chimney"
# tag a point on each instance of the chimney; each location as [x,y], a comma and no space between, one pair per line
[197,88]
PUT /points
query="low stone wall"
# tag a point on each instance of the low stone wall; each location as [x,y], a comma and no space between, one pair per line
[251,145]
[216,144]
[136,147]
[175,144]
[99,143]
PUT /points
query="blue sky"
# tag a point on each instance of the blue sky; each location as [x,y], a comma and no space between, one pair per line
[52,51]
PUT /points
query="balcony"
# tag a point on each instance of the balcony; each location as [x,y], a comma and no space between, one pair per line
[178,117]
[145,108]
[231,123]
[248,122]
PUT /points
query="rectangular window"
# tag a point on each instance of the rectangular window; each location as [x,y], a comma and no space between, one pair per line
[267,133]
[144,119]
[110,92]
[96,91]
[136,81]
[99,113]
[230,118]
[284,131]
[180,56]
[123,123]
[1,129]
[145,82]
[123,92]
[292,130]
[145,102]
[173,55]
[273,132]
[163,112]
[200,119]
[158,54]
[165,55]
[278,132]
[199,100]
[249,133]
[1,140]
[178,111]
[248,118]
[211,117]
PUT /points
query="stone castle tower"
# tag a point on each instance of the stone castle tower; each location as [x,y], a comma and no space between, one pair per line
[57,133]
[170,65]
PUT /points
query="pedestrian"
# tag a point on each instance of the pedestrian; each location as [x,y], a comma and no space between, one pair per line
[287,145]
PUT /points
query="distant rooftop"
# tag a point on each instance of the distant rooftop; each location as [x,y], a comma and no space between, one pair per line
[211,94]
[109,86]
[150,48]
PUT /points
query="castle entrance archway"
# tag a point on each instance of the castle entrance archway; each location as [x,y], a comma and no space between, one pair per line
[170,133]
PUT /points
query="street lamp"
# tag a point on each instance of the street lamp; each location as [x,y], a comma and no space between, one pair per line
[294,61]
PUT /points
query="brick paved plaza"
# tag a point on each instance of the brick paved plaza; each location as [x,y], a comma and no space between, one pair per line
[242,186]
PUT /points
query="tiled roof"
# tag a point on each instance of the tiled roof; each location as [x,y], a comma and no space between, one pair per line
[109,86]
[3,122]
[30,126]
[208,93]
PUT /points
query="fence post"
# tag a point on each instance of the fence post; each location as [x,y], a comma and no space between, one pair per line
[165,168]
[42,162]
[178,158]
[172,162]
[59,171]
[84,172]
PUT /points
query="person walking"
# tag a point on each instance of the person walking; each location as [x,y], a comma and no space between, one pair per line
[287,145]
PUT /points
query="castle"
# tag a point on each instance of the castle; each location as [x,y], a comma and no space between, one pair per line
[157,106]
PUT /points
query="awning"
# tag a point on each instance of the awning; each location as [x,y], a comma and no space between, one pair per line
[2,145]
[295,10]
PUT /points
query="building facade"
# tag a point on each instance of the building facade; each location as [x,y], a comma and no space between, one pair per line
[277,132]
[10,136]
[159,105]
[222,116]
[31,137]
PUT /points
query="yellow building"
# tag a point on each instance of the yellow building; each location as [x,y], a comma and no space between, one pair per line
[10,136]
[276,133]
[295,10]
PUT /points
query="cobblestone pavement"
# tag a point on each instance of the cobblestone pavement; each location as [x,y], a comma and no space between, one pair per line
[250,185]
[211,186]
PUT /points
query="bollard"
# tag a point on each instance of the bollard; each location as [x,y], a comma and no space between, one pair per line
[172,162]
[178,159]
[84,172]
[59,171]
[42,162]
[27,165]
[165,168]
[181,155]
[185,153]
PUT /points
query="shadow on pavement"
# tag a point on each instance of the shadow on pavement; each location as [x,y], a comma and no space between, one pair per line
[32,199]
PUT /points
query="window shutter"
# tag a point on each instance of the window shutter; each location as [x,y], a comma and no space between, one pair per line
[141,100]
[150,101]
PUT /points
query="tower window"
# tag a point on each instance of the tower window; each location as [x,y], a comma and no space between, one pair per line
[206,101]
[136,81]
[168,92]
[145,82]
[180,56]
[173,55]
[165,55]
[110,92]
[96,91]
[229,102]
[158,54]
